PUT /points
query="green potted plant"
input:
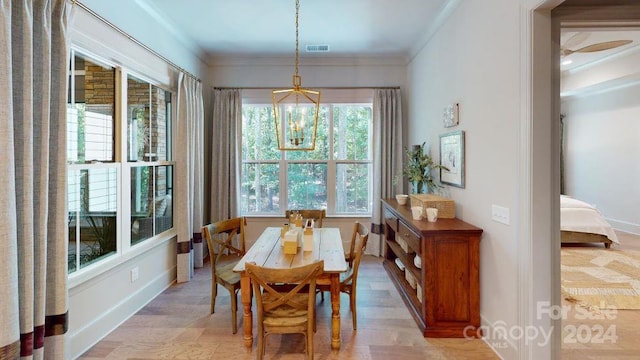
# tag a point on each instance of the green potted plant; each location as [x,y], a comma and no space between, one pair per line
[418,169]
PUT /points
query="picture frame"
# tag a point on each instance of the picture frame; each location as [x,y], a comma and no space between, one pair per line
[452,157]
[451,115]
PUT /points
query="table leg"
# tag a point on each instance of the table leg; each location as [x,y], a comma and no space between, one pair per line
[335,313]
[247,319]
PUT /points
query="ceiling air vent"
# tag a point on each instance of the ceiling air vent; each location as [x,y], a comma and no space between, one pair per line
[317,48]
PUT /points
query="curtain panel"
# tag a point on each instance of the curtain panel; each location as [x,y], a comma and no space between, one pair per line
[225,149]
[189,176]
[387,158]
[33,233]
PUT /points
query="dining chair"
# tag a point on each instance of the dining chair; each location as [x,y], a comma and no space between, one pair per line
[287,312]
[316,215]
[348,280]
[358,229]
[224,254]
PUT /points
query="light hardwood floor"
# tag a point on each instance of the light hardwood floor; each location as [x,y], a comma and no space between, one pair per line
[626,326]
[176,325]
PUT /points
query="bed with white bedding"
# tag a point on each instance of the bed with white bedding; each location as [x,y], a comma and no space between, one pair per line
[582,223]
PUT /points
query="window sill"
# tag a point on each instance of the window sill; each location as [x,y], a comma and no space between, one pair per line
[92,271]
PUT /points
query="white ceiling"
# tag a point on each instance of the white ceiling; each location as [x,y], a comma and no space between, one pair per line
[352,28]
[267,27]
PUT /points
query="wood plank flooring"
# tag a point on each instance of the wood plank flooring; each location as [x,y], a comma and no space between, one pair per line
[177,325]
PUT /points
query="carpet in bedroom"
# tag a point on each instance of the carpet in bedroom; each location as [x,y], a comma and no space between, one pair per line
[601,278]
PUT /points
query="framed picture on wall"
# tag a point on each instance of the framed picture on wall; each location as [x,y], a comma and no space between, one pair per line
[452,157]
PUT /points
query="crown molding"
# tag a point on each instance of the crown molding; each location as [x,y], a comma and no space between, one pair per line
[252,60]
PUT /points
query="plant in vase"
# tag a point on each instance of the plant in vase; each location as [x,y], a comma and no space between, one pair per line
[418,169]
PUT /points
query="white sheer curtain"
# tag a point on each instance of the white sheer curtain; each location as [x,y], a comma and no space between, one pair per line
[225,149]
[189,175]
[387,158]
[33,234]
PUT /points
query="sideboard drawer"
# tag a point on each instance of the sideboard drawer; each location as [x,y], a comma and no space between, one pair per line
[409,236]
[391,220]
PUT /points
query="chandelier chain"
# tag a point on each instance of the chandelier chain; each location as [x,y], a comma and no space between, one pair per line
[297,11]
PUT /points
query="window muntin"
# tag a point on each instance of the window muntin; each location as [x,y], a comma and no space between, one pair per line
[91,112]
[335,176]
[307,186]
[258,126]
[321,151]
[260,189]
[148,121]
[92,215]
[99,210]
[148,141]
[151,201]
[353,187]
[351,131]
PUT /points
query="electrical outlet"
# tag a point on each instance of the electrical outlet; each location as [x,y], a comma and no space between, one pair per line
[134,274]
[500,214]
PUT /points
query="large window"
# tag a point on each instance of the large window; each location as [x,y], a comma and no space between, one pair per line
[105,217]
[336,176]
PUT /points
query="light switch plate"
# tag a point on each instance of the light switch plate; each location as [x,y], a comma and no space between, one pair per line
[134,274]
[500,214]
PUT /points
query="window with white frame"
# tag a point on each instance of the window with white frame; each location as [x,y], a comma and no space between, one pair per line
[336,176]
[105,216]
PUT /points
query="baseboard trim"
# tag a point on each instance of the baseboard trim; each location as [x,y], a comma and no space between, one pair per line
[493,336]
[625,226]
[86,337]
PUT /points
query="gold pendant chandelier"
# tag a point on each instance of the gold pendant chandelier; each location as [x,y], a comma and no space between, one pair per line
[295,111]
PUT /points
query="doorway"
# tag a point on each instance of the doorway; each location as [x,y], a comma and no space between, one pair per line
[609,333]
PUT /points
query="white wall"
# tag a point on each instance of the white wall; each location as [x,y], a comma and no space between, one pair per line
[602,151]
[474,60]
[316,72]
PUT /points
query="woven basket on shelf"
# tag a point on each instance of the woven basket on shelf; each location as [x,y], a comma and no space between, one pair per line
[446,207]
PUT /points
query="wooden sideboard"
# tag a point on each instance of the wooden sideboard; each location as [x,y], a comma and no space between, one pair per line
[446,301]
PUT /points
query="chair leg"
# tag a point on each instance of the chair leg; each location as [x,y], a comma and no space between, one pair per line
[309,338]
[214,292]
[315,321]
[234,310]
[352,304]
[261,341]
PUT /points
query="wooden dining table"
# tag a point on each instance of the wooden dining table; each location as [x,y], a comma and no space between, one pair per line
[268,252]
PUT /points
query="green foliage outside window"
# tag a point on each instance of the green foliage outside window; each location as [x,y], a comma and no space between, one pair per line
[343,149]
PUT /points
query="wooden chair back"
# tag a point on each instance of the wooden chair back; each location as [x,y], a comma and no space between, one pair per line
[263,280]
[358,245]
[358,230]
[225,237]
[316,215]
[282,312]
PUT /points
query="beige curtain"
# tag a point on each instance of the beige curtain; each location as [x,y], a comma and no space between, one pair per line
[33,233]
[225,165]
[189,175]
[387,157]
